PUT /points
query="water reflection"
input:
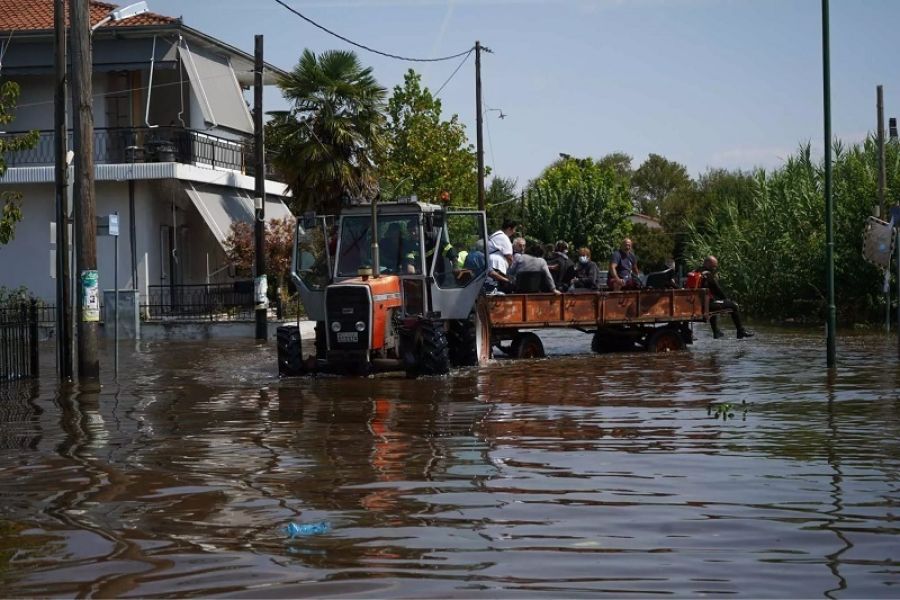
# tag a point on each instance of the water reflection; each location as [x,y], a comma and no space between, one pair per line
[579,474]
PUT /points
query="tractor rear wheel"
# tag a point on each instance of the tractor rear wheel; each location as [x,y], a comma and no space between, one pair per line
[665,339]
[430,352]
[527,345]
[290,351]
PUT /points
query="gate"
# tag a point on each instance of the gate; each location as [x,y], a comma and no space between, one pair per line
[19,341]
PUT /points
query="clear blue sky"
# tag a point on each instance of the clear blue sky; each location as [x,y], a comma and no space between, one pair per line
[707,83]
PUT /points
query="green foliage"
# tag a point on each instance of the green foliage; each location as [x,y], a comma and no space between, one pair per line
[502,202]
[580,201]
[657,182]
[325,144]
[10,211]
[771,242]
[652,247]
[425,154]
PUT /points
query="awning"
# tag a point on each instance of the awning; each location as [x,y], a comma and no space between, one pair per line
[214,84]
[221,206]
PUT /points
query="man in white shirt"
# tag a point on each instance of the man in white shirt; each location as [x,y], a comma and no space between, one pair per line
[500,241]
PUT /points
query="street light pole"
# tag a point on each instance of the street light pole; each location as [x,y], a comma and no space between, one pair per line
[88,307]
[829,230]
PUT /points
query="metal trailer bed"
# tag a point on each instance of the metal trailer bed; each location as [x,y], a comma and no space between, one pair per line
[658,320]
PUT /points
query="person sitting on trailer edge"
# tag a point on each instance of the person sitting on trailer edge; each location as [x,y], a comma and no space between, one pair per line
[532,265]
[500,241]
[623,268]
[709,279]
[477,262]
[586,276]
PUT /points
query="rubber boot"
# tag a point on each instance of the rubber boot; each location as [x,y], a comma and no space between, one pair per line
[744,333]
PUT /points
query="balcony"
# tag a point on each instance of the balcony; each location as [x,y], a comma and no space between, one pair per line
[144,144]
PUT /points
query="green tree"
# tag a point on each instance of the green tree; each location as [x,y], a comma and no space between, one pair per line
[325,144]
[11,211]
[620,163]
[657,182]
[425,155]
[580,201]
[653,247]
[502,202]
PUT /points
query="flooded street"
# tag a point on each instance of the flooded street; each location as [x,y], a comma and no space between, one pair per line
[577,475]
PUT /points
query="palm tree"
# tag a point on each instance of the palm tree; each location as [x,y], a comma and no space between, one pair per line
[324,144]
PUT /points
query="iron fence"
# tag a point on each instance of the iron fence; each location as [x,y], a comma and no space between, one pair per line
[201,302]
[143,144]
[19,341]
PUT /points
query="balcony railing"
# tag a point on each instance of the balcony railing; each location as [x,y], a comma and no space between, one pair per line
[144,144]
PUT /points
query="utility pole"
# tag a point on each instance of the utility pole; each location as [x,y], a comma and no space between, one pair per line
[88,316]
[259,224]
[63,286]
[479,136]
[882,175]
[829,228]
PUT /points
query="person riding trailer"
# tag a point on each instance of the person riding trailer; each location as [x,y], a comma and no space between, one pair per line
[709,279]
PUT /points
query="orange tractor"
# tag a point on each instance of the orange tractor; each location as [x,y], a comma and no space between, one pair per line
[391,286]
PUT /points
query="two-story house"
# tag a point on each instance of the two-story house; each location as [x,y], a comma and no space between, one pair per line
[172,148]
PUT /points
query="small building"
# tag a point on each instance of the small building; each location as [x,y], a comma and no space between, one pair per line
[173,148]
[645,220]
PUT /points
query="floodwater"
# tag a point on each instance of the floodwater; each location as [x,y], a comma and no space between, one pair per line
[577,475]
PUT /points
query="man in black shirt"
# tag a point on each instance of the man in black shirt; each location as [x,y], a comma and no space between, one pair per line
[720,301]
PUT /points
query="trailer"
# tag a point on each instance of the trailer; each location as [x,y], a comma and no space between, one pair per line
[657,320]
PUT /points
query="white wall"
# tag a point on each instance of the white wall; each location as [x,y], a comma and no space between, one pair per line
[26,259]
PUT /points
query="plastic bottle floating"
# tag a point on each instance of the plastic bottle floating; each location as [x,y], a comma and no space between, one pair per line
[294,530]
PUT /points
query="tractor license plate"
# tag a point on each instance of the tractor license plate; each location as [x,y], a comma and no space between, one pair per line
[348,337]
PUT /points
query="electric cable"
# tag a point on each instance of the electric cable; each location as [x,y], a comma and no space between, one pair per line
[455,71]
[364,47]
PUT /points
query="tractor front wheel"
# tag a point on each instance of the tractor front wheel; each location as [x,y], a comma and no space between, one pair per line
[290,351]
[430,352]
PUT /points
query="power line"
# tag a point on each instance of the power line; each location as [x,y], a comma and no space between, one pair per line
[364,47]
[490,142]
[455,71]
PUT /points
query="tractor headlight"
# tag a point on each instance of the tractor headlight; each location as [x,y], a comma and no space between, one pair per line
[360,326]
[335,326]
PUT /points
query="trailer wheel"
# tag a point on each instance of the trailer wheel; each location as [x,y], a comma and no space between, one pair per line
[527,345]
[290,354]
[665,339]
[431,354]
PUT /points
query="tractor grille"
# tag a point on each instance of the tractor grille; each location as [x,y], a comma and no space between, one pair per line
[347,305]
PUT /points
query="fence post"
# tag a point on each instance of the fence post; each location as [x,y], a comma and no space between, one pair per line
[33,339]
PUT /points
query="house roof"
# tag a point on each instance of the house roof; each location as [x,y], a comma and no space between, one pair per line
[36,15]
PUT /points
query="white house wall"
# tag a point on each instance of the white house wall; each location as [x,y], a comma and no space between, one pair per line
[26,259]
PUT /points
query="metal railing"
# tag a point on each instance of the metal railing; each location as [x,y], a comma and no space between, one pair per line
[143,144]
[202,302]
[19,341]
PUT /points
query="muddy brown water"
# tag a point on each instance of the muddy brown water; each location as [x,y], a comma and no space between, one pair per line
[576,475]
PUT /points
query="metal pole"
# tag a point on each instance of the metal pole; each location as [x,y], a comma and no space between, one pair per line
[882,175]
[259,225]
[61,175]
[85,215]
[116,305]
[829,232]
[479,138]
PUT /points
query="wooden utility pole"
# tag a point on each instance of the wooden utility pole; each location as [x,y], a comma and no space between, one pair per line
[259,225]
[479,137]
[63,274]
[88,317]
[882,175]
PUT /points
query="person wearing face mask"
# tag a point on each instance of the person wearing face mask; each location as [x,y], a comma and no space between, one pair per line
[709,273]
[587,273]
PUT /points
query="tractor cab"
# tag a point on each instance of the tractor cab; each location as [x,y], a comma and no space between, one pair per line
[372,278]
